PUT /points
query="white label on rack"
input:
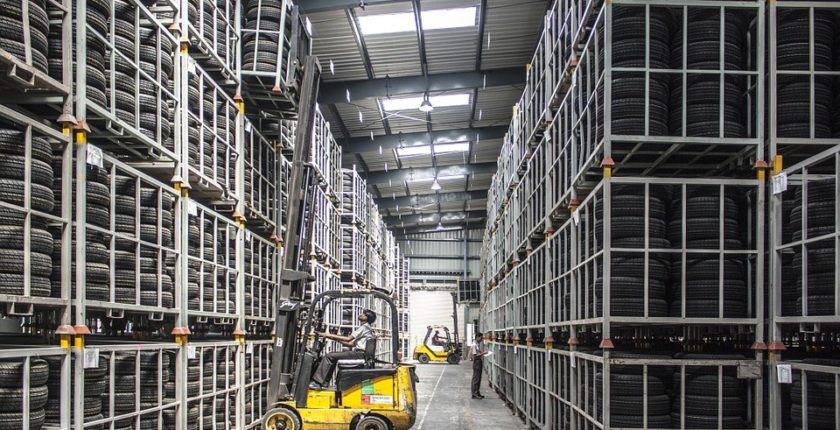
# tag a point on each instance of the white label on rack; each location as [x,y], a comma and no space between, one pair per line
[249,348]
[91,358]
[784,373]
[780,183]
[572,360]
[514,350]
[247,236]
[94,156]
[192,208]
[279,343]
[191,66]
[247,126]
[191,352]
[576,216]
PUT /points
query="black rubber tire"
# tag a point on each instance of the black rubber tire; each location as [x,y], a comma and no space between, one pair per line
[696,289]
[705,421]
[637,421]
[41,241]
[820,393]
[627,287]
[40,264]
[11,143]
[13,398]
[631,385]
[819,418]
[704,384]
[42,198]
[634,307]
[11,373]
[12,167]
[14,420]
[708,309]
[632,405]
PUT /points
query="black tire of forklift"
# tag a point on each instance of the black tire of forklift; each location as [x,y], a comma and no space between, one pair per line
[290,417]
[423,359]
[372,422]
[453,359]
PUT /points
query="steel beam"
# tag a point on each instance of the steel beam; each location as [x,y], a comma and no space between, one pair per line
[396,176]
[312,6]
[391,141]
[405,233]
[387,203]
[433,218]
[336,92]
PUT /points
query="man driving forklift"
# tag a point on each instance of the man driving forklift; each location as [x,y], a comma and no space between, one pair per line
[356,341]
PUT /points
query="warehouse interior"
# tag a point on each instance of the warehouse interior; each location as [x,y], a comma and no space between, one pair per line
[299,214]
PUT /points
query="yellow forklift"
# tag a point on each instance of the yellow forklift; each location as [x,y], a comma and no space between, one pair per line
[438,348]
[369,394]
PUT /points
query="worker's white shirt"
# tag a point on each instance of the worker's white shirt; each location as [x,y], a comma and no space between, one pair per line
[477,348]
[361,335]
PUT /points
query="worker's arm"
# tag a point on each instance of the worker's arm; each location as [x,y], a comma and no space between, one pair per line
[344,340]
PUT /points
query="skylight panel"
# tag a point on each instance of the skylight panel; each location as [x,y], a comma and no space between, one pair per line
[439,19]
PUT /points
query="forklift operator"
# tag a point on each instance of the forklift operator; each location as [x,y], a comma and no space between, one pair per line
[357,340]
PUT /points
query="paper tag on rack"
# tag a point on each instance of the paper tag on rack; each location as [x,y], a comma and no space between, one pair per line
[91,358]
[780,183]
[249,348]
[191,352]
[514,350]
[192,208]
[576,216]
[247,236]
[784,373]
[572,360]
[191,66]
[279,342]
[247,126]
[94,156]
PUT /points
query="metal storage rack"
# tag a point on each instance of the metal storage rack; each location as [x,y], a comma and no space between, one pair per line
[598,218]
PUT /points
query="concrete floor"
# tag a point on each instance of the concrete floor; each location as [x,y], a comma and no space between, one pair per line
[444,401]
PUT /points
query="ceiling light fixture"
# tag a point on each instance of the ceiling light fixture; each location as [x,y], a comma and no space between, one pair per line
[404,22]
[426,106]
[438,101]
[435,185]
[440,226]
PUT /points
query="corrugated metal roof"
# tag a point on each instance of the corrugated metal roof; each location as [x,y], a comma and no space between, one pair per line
[333,40]
[511,28]
[487,151]
[495,104]
[396,189]
[371,121]
[377,162]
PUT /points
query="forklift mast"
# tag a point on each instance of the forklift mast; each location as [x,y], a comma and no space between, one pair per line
[294,272]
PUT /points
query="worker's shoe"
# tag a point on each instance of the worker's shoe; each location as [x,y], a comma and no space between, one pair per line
[315,386]
[477,396]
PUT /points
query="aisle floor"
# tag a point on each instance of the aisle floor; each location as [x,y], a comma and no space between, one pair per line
[444,401]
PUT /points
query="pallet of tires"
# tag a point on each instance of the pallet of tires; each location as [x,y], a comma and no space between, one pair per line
[120,78]
[262,35]
[13,191]
[126,383]
[97,210]
[628,91]
[703,101]
[156,111]
[259,289]
[793,92]
[12,35]
[260,180]
[701,395]
[821,404]
[12,375]
[202,256]
[97,28]
[222,362]
[627,271]
[702,231]
[210,19]
[95,385]
[821,270]
[145,269]
[214,410]
[211,136]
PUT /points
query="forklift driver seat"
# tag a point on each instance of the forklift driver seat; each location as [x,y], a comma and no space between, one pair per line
[368,362]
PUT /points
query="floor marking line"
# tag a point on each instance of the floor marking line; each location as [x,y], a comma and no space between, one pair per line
[426,409]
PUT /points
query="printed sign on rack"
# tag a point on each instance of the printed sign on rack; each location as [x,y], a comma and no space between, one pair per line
[94,156]
[785,374]
[780,183]
[91,358]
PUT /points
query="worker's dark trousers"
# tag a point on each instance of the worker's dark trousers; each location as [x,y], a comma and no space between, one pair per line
[325,369]
[478,367]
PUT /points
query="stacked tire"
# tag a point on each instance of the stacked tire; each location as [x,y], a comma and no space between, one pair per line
[626,388]
[200,266]
[126,381]
[11,391]
[703,101]
[155,112]
[97,210]
[821,404]
[627,230]
[628,91]
[261,35]
[701,396]
[702,231]
[13,191]
[792,53]
[821,270]
[95,385]
[124,85]
[154,271]
[12,37]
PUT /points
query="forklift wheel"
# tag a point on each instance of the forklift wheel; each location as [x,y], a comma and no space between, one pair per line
[372,422]
[453,359]
[423,359]
[281,419]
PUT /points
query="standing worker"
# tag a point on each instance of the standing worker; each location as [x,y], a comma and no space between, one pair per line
[477,354]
